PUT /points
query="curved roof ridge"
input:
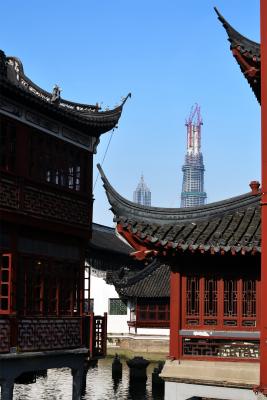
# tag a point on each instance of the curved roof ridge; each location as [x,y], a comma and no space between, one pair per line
[145,272]
[19,78]
[122,207]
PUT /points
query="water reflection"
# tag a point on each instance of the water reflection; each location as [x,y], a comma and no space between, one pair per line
[137,390]
[99,385]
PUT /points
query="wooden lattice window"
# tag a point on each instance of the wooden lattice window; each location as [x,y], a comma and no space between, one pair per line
[192,300]
[210,298]
[249,302]
[50,287]
[34,284]
[117,307]
[7,146]
[57,162]
[219,303]
[210,302]
[153,312]
[68,292]
[230,302]
[5,283]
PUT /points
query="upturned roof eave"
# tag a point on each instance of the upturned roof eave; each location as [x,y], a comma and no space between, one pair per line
[16,84]
[235,38]
[122,207]
[101,121]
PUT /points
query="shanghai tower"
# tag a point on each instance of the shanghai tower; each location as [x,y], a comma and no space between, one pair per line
[193,193]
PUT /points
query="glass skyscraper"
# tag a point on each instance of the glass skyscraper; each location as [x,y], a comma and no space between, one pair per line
[142,194]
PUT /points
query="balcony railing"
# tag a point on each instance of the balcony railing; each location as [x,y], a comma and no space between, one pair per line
[40,334]
[220,348]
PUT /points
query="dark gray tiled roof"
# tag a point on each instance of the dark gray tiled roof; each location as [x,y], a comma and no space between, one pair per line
[249,50]
[104,238]
[106,251]
[228,225]
[152,281]
[14,82]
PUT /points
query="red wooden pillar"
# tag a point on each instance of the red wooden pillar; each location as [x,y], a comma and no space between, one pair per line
[263,340]
[175,310]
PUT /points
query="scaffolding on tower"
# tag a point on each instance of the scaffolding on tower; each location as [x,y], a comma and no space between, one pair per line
[193,193]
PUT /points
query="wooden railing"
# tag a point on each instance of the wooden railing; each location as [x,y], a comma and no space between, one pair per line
[38,334]
[95,334]
[220,348]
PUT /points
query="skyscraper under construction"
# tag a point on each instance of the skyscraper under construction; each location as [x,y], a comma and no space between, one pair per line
[193,193]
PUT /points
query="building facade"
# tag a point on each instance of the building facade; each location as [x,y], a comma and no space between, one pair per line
[46,167]
[142,194]
[137,310]
[193,193]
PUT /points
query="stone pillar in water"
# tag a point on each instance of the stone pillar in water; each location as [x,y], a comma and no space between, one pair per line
[138,366]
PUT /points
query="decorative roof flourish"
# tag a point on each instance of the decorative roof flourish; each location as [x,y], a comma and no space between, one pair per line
[231,225]
[247,54]
[152,281]
[13,79]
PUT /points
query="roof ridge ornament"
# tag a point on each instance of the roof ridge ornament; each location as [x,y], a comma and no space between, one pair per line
[255,187]
[55,98]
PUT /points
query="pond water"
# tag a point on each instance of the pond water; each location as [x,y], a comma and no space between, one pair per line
[99,385]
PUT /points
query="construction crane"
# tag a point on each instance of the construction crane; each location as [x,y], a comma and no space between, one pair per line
[193,124]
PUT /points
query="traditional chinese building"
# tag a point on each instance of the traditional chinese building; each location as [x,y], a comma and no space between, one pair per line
[46,162]
[109,256]
[135,296]
[214,254]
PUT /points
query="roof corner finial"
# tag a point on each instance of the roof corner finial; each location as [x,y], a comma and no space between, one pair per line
[255,187]
[124,99]
[55,94]
[216,10]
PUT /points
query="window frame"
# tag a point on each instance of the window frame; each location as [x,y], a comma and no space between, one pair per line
[119,301]
[221,320]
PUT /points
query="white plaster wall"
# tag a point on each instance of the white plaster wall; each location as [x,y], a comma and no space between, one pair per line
[152,331]
[184,391]
[101,292]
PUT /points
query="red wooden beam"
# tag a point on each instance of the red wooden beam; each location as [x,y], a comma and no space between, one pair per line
[263,340]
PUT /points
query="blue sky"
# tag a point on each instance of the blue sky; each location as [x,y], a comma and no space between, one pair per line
[169,55]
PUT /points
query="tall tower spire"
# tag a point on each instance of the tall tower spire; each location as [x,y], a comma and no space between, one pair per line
[142,194]
[193,169]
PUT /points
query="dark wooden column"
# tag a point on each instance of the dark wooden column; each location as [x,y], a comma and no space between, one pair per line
[175,313]
[263,340]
